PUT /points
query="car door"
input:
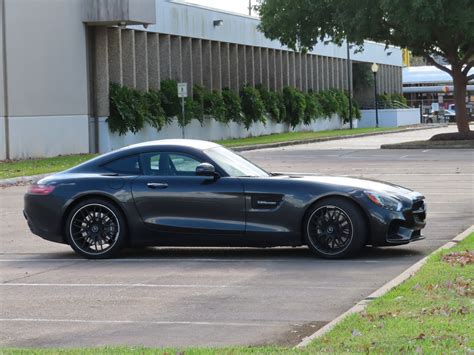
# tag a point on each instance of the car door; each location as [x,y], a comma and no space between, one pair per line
[171,199]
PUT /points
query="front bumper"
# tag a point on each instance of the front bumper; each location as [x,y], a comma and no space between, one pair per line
[397,228]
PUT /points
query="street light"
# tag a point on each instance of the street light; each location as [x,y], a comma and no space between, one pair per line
[375,69]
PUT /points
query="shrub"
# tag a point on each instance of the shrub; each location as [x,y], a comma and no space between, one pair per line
[342,104]
[233,107]
[295,104]
[355,109]
[281,107]
[270,100]
[328,102]
[127,110]
[169,98]
[155,115]
[313,109]
[252,106]
[198,103]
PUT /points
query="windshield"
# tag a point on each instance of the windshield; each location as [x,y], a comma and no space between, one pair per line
[233,164]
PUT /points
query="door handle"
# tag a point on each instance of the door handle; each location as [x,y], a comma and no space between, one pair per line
[157,185]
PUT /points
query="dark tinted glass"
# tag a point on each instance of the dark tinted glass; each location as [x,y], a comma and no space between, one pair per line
[129,165]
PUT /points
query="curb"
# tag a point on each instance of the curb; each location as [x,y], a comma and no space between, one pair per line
[360,306]
[22,180]
[325,139]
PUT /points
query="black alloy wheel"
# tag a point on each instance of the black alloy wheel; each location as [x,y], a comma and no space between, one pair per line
[95,229]
[335,228]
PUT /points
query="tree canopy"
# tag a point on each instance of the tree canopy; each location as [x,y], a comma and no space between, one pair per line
[429,28]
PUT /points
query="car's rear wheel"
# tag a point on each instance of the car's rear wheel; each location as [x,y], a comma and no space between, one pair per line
[95,228]
[335,228]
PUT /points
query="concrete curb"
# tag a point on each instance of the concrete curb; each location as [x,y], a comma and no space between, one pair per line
[22,180]
[360,306]
[325,139]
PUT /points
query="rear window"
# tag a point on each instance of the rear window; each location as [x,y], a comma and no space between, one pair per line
[128,166]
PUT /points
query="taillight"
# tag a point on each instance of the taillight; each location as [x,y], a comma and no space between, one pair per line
[36,189]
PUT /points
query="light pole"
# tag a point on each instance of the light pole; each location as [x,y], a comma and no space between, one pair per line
[349,79]
[375,69]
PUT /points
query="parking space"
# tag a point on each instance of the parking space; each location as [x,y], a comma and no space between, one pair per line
[211,296]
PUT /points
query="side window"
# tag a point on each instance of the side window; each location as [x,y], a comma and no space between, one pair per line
[169,164]
[127,166]
[183,165]
[153,164]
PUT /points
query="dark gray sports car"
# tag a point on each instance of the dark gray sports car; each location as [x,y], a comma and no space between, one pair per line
[197,193]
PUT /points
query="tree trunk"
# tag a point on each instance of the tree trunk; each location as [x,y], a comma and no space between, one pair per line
[459,81]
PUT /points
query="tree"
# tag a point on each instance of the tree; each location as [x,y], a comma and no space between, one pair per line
[428,28]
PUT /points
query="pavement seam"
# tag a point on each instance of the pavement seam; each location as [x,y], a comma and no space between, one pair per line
[360,306]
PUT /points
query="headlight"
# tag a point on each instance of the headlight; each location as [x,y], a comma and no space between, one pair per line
[385,201]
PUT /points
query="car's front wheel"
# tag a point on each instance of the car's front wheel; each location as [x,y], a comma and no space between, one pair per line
[335,228]
[95,228]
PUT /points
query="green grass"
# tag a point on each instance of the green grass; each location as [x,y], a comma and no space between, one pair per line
[432,312]
[10,169]
[297,136]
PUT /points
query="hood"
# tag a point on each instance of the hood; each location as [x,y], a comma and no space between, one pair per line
[357,183]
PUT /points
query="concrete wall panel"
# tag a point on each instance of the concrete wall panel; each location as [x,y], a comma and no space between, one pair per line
[250,65]
[141,60]
[187,62]
[185,19]
[32,137]
[101,80]
[153,51]
[128,58]
[242,66]
[46,55]
[234,66]
[165,56]
[207,63]
[279,69]
[257,64]
[225,65]
[197,61]
[216,66]
[114,43]
[176,60]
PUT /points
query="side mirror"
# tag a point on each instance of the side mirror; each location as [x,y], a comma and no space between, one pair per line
[206,169]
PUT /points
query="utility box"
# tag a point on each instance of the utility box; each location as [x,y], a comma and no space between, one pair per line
[120,12]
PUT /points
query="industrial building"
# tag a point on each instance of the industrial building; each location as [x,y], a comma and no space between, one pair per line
[58,58]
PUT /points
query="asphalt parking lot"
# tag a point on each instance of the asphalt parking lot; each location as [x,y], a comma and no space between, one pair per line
[205,297]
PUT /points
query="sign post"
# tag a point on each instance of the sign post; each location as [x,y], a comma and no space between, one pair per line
[182,93]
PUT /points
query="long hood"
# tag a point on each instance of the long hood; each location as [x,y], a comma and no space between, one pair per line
[357,183]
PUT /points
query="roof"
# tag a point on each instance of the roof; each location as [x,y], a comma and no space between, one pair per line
[427,74]
[192,143]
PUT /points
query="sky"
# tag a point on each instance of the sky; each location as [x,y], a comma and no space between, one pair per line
[239,6]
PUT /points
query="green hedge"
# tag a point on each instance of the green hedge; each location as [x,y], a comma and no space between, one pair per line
[131,109]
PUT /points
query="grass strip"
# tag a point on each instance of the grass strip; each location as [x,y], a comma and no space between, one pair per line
[28,167]
[432,312]
[298,136]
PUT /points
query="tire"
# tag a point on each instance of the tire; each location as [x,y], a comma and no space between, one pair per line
[96,229]
[335,228]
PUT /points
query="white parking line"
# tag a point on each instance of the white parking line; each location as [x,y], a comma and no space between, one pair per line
[140,285]
[296,259]
[235,324]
